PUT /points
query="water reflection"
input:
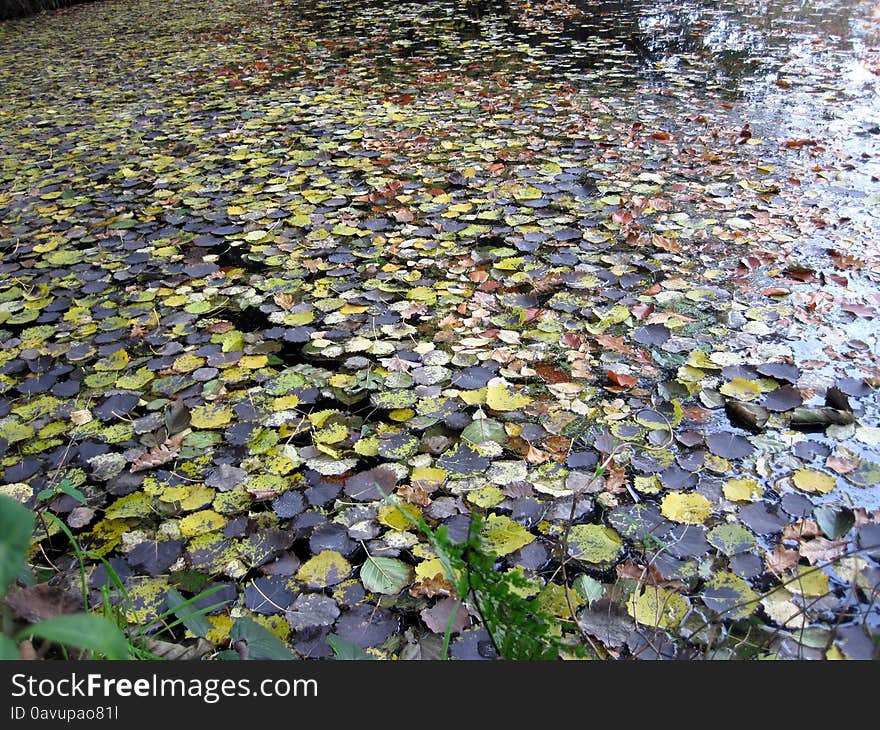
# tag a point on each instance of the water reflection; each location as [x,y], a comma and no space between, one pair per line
[723,44]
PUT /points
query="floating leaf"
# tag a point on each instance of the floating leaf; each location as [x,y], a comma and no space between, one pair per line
[730,596]
[729,445]
[809,582]
[210,416]
[595,544]
[732,538]
[385,575]
[742,490]
[325,569]
[503,536]
[692,509]
[835,522]
[483,430]
[500,397]
[813,481]
[658,607]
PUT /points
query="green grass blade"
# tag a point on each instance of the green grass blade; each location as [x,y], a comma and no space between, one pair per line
[81,630]
[16,528]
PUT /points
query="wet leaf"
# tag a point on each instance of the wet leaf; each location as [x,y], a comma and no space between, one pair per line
[730,596]
[594,544]
[325,569]
[692,509]
[657,607]
[742,490]
[503,536]
[731,539]
[729,446]
[438,617]
[259,642]
[501,397]
[385,575]
[813,481]
[835,522]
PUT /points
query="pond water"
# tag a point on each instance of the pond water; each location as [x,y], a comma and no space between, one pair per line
[259,261]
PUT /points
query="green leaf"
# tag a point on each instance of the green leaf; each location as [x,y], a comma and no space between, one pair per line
[16,527]
[8,649]
[345,650]
[193,618]
[262,643]
[82,630]
[588,588]
[834,521]
[385,575]
[483,430]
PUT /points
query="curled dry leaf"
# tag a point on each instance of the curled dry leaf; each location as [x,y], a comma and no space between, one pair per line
[159,455]
[781,559]
[437,585]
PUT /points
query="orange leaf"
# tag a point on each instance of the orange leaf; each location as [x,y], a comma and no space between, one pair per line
[621,379]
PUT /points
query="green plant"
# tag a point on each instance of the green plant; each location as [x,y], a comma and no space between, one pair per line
[108,635]
[517,627]
[85,631]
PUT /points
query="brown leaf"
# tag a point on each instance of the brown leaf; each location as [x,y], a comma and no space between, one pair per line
[615,344]
[283,300]
[437,617]
[26,651]
[551,374]
[798,143]
[801,530]
[414,495]
[430,587]
[665,243]
[41,601]
[621,379]
[536,456]
[219,327]
[841,464]
[820,549]
[615,479]
[781,559]
[161,454]
[547,284]
[645,574]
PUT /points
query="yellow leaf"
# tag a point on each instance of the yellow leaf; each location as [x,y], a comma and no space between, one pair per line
[117,361]
[486,497]
[187,363]
[693,509]
[368,446]
[390,515]
[809,582]
[333,434]
[353,309]
[428,474]
[319,418]
[813,481]
[658,607]
[429,568]
[210,416]
[500,398]
[741,389]
[285,403]
[253,362]
[325,569]
[503,536]
[201,523]
[742,490]
[473,397]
